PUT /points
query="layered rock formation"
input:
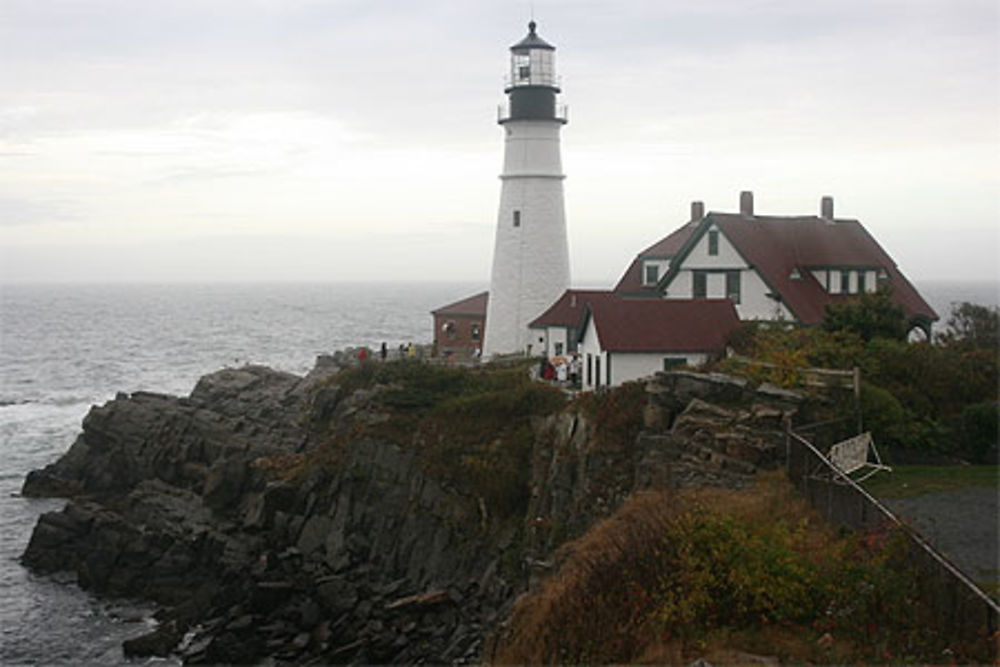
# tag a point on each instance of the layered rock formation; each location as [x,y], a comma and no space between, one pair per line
[207,505]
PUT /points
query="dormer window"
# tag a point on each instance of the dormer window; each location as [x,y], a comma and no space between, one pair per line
[652,274]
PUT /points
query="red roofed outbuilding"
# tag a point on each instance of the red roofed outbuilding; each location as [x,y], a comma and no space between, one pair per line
[459,326]
[626,339]
[555,332]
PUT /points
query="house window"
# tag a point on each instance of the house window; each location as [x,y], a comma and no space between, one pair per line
[713,242]
[475,331]
[450,330]
[597,371]
[845,282]
[733,286]
[590,366]
[559,349]
[652,274]
[517,218]
[861,282]
[699,288]
[670,363]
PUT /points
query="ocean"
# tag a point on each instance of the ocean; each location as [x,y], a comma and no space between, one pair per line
[64,348]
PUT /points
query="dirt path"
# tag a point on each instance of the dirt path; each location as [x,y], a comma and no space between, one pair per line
[963,525]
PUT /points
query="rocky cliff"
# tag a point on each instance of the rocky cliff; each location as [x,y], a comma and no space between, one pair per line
[304,519]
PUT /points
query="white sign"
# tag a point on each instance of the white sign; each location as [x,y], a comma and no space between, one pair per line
[851,454]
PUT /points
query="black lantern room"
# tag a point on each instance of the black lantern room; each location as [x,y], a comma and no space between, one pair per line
[532,85]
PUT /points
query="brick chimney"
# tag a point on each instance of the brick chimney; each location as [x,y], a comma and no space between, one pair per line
[697,210]
[826,208]
[746,203]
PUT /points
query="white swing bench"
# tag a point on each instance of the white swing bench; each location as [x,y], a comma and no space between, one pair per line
[851,455]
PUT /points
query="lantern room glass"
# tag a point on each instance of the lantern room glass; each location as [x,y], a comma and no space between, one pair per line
[533,67]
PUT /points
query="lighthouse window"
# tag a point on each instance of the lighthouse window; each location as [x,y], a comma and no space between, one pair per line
[522,67]
[517,218]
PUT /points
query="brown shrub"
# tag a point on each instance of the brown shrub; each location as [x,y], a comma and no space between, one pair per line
[723,575]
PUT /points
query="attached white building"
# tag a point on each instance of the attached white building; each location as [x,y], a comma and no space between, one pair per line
[625,339]
[555,332]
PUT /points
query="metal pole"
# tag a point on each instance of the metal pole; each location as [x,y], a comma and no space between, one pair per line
[857,399]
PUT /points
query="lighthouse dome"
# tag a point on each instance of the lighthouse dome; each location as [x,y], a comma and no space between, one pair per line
[532,41]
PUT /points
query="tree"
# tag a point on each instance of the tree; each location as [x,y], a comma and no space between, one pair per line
[871,315]
[972,326]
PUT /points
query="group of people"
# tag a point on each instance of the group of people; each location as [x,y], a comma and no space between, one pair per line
[561,369]
[408,350]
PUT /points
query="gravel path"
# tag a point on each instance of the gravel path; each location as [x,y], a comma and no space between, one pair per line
[963,525]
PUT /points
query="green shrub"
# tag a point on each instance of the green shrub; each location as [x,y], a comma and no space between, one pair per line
[870,315]
[728,573]
[884,416]
[980,423]
[929,386]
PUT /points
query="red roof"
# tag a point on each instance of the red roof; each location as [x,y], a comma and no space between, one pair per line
[775,245]
[668,246]
[664,325]
[568,310]
[474,305]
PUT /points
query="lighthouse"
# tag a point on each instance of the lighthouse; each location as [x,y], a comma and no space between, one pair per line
[530,252]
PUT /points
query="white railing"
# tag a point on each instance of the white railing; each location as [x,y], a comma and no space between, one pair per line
[534,80]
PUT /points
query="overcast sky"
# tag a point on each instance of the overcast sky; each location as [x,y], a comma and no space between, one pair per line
[152,140]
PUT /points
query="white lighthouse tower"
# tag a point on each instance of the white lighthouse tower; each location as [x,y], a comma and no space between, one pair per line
[531,254]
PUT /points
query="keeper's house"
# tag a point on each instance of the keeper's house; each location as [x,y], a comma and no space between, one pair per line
[772,267]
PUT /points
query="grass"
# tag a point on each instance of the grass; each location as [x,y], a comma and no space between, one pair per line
[914,481]
[470,427]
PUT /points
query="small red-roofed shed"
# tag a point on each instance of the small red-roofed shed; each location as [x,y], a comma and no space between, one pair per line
[459,326]
[627,339]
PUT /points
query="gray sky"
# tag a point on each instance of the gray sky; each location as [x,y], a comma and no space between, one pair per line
[356,139]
